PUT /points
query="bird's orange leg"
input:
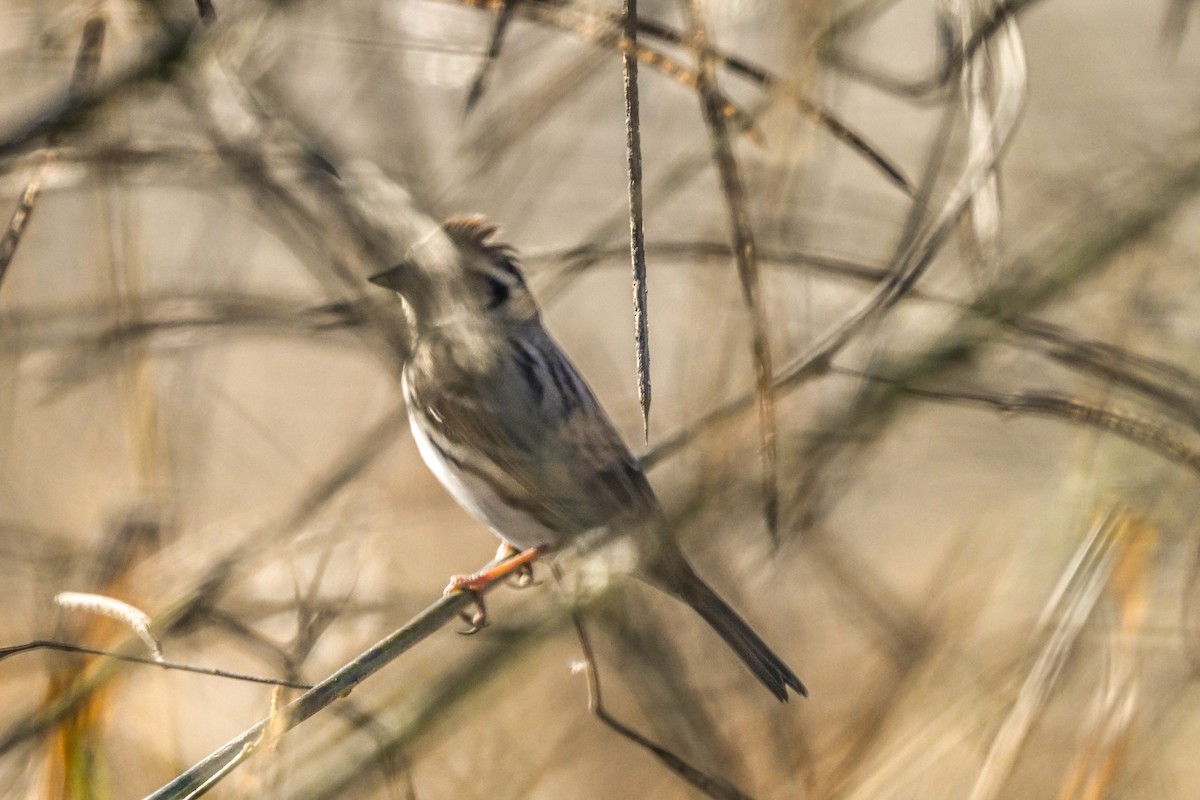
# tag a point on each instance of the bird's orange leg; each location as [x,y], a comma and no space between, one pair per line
[512,563]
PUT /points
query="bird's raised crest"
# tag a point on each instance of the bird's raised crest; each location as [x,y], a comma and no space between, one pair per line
[474,232]
[470,229]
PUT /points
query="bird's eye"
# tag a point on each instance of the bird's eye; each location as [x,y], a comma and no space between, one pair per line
[498,292]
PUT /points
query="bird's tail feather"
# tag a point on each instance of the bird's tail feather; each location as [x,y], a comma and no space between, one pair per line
[679,579]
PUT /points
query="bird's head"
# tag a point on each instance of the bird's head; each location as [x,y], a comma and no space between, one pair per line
[484,286]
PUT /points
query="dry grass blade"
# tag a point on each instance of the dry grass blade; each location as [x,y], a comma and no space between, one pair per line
[166,325]
[355,457]
[1080,589]
[1001,60]
[1131,210]
[637,232]
[920,245]
[20,219]
[423,710]
[915,254]
[821,115]
[1169,385]
[1106,748]
[746,259]
[499,132]
[670,180]
[72,762]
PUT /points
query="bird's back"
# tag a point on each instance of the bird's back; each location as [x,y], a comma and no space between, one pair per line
[523,442]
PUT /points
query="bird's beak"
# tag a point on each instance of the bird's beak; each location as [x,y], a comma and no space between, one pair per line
[395,278]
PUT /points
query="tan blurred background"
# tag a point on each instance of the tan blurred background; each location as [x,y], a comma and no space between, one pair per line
[986,556]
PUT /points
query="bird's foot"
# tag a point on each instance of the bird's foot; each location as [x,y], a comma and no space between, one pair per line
[522,576]
[476,618]
[514,564]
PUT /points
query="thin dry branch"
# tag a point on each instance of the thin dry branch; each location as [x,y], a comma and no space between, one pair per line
[67,647]
[608,31]
[1068,610]
[708,784]
[73,109]
[742,235]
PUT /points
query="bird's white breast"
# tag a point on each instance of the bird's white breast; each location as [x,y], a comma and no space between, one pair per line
[474,494]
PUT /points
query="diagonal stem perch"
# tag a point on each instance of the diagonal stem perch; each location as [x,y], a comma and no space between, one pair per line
[198,779]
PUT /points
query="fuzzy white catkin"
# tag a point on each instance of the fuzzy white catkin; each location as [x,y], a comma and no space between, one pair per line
[137,620]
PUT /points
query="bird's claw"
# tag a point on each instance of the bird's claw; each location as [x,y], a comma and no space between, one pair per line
[477,617]
[522,577]
[514,567]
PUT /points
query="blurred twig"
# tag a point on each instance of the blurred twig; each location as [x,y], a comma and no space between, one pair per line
[87,61]
[584,23]
[915,253]
[200,590]
[1175,25]
[1130,210]
[1067,612]
[495,42]
[708,784]
[73,108]
[745,257]
[933,87]
[1145,432]
[1170,385]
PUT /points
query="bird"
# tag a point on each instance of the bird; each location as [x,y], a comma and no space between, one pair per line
[511,429]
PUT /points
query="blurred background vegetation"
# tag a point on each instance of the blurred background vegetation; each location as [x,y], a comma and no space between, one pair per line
[976,233]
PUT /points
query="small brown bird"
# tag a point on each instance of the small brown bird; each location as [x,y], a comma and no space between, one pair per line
[510,428]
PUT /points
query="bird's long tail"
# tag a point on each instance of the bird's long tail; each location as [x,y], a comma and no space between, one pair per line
[676,576]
